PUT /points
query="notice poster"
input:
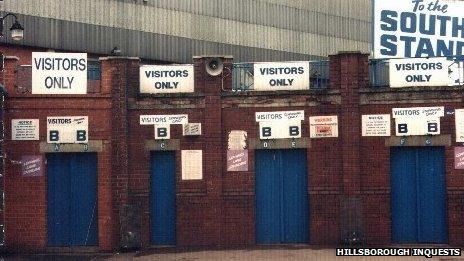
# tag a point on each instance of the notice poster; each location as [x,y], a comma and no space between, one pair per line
[31,166]
[459,158]
[237,160]
[192,164]
[376,125]
[459,117]
[237,140]
[323,126]
[25,129]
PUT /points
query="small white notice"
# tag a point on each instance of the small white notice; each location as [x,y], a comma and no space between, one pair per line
[419,72]
[237,140]
[68,129]
[376,125]
[25,129]
[281,76]
[191,129]
[279,116]
[163,119]
[192,164]
[59,73]
[323,126]
[166,78]
[459,114]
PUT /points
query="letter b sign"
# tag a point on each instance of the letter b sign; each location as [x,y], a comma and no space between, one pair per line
[294,131]
[81,135]
[162,132]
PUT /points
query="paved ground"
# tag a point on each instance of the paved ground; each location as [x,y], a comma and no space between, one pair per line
[258,255]
[219,255]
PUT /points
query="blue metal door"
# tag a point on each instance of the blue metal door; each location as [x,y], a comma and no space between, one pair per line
[163,198]
[418,197]
[281,197]
[72,199]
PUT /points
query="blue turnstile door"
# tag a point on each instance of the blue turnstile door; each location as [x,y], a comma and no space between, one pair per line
[418,197]
[163,198]
[72,199]
[281,196]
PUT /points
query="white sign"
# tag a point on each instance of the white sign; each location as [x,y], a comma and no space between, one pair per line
[191,129]
[166,78]
[163,119]
[68,129]
[59,73]
[281,76]
[279,129]
[418,120]
[192,164]
[418,112]
[459,117]
[418,28]
[421,126]
[237,140]
[323,126]
[25,129]
[162,132]
[279,116]
[419,72]
[376,125]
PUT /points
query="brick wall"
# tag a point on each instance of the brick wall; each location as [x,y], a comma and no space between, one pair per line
[219,210]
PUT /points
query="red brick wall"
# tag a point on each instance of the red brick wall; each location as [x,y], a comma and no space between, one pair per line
[219,209]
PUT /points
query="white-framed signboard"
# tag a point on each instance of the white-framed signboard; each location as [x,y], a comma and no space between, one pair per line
[68,129]
[281,76]
[166,78]
[59,73]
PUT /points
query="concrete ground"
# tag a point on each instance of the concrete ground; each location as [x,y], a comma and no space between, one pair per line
[258,255]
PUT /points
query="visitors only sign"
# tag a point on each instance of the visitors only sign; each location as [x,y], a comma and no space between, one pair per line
[281,76]
[166,79]
[419,72]
[59,73]
[418,28]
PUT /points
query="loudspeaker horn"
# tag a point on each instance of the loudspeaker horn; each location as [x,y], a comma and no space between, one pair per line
[214,66]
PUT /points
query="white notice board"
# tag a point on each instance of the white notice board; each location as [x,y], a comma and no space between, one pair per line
[192,164]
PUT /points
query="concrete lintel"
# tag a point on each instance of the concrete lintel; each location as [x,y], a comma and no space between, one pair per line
[258,144]
[418,141]
[91,146]
[167,145]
